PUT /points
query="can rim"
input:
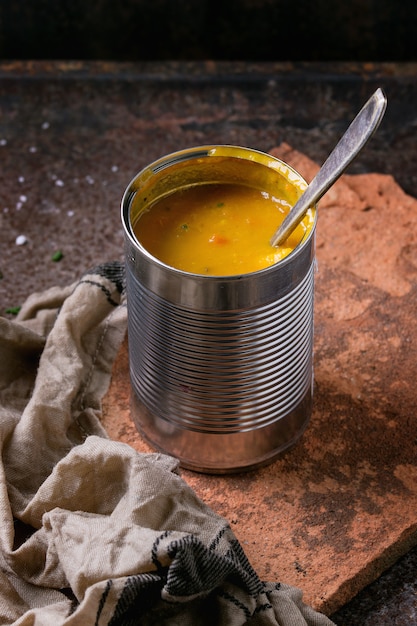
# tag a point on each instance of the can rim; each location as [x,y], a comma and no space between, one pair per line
[204,151]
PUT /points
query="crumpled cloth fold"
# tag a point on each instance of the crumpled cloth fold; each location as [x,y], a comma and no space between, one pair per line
[91,531]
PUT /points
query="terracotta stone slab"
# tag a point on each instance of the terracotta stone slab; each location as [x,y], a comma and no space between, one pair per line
[341,506]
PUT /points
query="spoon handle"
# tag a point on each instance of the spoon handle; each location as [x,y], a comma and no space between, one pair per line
[351,143]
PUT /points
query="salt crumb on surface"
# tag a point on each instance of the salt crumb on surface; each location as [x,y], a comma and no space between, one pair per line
[70,213]
[59,183]
[45,125]
[3,142]
[22,198]
[21,240]
[21,179]
[114,168]
[89,179]
[33,149]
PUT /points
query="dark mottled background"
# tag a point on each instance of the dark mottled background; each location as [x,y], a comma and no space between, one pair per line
[257,30]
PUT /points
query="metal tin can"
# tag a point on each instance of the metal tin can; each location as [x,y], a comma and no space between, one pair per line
[221,367]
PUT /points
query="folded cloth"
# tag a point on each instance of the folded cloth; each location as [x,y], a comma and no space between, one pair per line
[91,531]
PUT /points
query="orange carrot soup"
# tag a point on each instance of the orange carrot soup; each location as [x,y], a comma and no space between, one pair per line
[218,229]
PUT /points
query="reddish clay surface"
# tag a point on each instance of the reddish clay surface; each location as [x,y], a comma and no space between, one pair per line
[340,506]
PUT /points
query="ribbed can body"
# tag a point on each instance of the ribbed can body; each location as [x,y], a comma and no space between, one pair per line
[221,367]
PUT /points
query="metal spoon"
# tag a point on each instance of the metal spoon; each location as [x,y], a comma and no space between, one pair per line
[351,143]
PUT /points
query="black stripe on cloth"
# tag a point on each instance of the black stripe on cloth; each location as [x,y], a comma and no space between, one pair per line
[103,599]
[140,594]
[218,537]
[104,289]
[154,551]
[263,607]
[114,271]
[196,569]
[237,603]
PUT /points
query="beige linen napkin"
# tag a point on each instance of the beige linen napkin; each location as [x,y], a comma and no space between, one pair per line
[91,531]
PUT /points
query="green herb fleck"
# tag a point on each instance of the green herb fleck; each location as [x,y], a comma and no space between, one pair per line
[13,310]
[220,204]
[184,226]
[57,256]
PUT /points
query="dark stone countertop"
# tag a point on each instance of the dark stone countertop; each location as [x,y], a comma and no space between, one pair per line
[73,134]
